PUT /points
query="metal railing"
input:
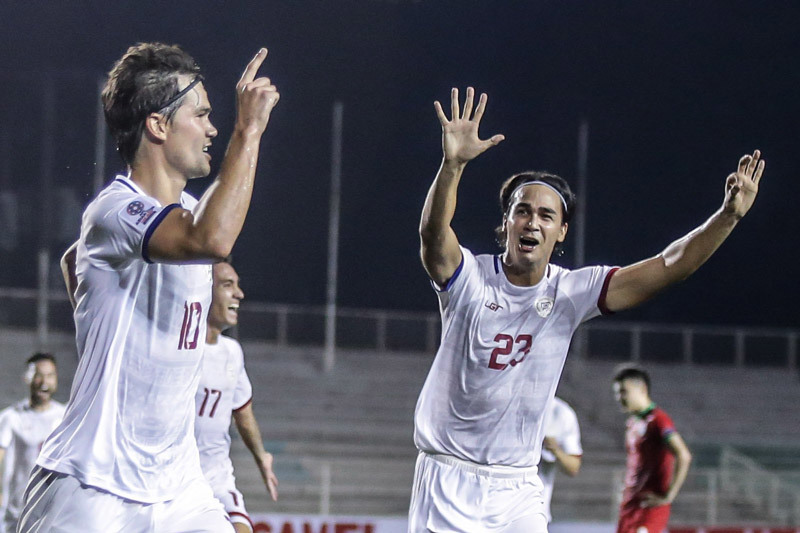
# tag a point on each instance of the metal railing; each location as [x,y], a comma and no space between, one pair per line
[765,491]
[397,331]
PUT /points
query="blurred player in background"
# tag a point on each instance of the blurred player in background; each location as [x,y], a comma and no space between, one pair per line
[561,447]
[125,457]
[23,428]
[507,322]
[225,390]
[657,457]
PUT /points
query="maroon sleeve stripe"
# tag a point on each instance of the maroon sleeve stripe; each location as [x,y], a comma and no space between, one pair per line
[245,404]
[601,301]
[236,513]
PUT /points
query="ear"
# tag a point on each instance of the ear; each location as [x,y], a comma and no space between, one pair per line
[563,233]
[155,126]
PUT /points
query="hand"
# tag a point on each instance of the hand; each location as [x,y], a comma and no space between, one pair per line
[460,141]
[270,480]
[255,97]
[550,444]
[741,187]
[651,499]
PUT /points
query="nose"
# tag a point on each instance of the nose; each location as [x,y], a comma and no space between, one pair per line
[212,131]
[239,293]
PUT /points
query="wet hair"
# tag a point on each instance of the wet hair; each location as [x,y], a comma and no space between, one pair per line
[511,184]
[628,371]
[143,81]
[41,356]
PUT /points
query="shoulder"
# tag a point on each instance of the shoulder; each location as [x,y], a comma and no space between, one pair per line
[120,198]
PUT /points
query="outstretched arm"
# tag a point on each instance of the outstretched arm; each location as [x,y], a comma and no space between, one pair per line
[639,282]
[251,435]
[211,230]
[460,143]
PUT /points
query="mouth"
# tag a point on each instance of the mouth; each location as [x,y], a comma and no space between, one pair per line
[205,150]
[234,308]
[527,243]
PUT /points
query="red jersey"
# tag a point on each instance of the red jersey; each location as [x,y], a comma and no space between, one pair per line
[650,462]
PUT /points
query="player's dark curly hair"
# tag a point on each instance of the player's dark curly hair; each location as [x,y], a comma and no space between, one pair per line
[629,371]
[508,187]
[140,83]
[41,356]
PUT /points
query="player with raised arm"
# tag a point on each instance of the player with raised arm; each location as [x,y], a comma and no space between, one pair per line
[657,457]
[23,428]
[225,391]
[507,322]
[125,457]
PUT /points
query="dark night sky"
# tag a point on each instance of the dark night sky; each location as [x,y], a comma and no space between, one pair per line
[675,93]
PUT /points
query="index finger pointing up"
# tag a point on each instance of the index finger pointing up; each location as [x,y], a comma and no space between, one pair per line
[252,67]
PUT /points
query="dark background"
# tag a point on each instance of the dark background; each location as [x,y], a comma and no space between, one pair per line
[674,92]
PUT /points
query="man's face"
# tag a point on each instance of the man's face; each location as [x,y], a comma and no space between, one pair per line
[631,394]
[533,225]
[190,132]
[225,297]
[44,381]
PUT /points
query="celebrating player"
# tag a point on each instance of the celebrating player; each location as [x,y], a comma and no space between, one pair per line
[225,390]
[125,456]
[507,321]
[561,448]
[655,451]
[23,428]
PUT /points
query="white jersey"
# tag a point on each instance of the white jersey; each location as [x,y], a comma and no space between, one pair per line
[22,432]
[140,329]
[501,354]
[224,388]
[561,423]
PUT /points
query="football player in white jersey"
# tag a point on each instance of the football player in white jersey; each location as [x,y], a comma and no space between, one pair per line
[507,321]
[225,391]
[561,448]
[125,457]
[23,428]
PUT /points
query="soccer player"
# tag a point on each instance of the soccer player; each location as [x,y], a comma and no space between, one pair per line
[507,321]
[561,448]
[225,390]
[125,457]
[657,457]
[23,428]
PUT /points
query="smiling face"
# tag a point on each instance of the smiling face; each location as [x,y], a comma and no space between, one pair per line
[225,298]
[189,133]
[44,381]
[533,226]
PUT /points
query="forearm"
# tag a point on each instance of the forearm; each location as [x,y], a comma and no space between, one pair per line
[570,464]
[684,256]
[248,429]
[440,203]
[682,463]
[221,211]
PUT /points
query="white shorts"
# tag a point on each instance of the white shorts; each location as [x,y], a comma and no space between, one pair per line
[452,495]
[232,500]
[58,503]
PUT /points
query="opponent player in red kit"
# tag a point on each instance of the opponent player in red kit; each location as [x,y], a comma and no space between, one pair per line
[658,458]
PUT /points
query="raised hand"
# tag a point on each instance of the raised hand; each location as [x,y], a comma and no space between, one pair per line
[255,97]
[741,187]
[460,141]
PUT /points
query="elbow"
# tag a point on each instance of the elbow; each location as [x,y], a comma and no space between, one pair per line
[216,248]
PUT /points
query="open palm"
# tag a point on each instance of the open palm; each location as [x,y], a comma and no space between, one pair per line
[460,140]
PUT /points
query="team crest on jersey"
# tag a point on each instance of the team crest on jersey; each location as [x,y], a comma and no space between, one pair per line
[544,306]
[135,207]
[145,216]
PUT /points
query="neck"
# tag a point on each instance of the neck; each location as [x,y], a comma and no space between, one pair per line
[644,408]
[37,405]
[157,181]
[212,334]
[523,276]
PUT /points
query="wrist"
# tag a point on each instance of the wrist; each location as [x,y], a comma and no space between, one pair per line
[453,165]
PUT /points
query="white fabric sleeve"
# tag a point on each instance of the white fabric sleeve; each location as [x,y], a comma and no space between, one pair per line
[587,289]
[6,429]
[119,227]
[244,389]
[572,434]
[465,275]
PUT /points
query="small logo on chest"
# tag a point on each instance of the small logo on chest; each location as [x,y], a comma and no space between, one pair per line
[544,306]
[492,306]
